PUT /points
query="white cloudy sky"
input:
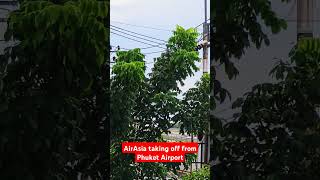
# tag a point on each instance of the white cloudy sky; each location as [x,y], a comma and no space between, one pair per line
[160,14]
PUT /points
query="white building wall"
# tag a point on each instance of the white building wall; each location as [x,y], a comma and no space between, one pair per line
[5,8]
[255,66]
[316,18]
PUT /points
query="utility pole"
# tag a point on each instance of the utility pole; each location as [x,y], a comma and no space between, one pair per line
[204,148]
[205,70]
[205,39]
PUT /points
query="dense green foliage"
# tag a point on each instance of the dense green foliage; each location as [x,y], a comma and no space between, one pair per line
[235,26]
[143,108]
[54,91]
[195,108]
[277,133]
[200,174]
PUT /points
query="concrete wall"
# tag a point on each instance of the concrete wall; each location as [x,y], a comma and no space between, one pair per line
[316,18]
[5,8]
[255,66]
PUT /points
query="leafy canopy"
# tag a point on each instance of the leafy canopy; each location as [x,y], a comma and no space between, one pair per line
[276,135]
[54,92]
[237,25]
[143,108]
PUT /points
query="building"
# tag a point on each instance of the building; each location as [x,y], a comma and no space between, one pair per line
[303,20]
[5,8]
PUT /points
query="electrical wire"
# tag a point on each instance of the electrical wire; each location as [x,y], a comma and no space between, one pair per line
[153,52]
[125,49]
[140,48]
[143,47]
[149,47]
[147,27]
[121,48]
[201,24]
[118,29]
[201,38]
[198,25]
[139,34]
[136,36]
[134,39]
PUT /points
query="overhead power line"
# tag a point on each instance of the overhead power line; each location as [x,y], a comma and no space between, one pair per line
[154,52]
[140,38]
[139,48]
[134,39]
[147,27]
[201,38]
[149,47]
[139,34]
[119,48]
[198,25]
[201,24]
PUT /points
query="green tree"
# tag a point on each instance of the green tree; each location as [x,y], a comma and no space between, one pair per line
[200,174]
[54,91]
[195,108]
[147,106]
[276,135]
[235,26]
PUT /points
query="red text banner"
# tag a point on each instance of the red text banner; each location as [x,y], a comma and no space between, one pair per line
[160,151]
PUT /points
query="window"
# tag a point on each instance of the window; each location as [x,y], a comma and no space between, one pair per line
[304,18]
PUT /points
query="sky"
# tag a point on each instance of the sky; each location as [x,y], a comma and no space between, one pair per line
[162,16]
[166,14]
